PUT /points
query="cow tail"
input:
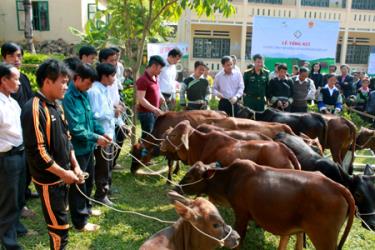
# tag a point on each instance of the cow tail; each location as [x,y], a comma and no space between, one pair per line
[292,157]
[353,133]
[349,198]
[323,138]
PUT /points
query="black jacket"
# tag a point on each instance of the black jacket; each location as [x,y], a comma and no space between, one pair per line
[24,92]
[46,138]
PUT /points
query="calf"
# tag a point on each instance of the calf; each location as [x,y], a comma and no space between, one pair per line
[282,201]
[149,146]
[183,235]
[269,129]
[360,186]
[192,146]
[236,134]
[365,139]
[341,134]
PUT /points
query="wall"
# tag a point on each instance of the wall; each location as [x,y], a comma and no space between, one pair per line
[62,15]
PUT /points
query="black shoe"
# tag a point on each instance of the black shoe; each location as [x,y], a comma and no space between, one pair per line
[106,201]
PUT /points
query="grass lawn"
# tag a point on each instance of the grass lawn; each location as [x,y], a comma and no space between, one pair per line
[148,195]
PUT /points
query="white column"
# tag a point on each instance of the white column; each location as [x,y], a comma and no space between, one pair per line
[298,8]
[243,46]
[344,44]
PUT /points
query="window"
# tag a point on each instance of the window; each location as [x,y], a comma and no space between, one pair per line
[248,45]
[357,54]
[363,4]
[266,1]
[40,15]
[318,3]
[20,15]
[211,47]
[91,10]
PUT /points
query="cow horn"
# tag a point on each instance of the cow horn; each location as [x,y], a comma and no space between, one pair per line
[174,196]
[185,140]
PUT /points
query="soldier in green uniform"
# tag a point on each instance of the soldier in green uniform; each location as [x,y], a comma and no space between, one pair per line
[256,81]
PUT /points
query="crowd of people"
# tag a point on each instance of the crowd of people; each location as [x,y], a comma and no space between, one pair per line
[53,137]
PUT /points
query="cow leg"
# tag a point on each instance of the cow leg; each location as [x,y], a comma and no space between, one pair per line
[177,168]
[240,226]
[335,152]
[283,243]
[300,241]
[170,167]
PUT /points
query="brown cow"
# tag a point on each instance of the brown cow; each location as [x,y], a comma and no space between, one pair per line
[149,146]
[282,201]
[183,236]
[236,134]
[365,139]
[270,129]
[192,146]
[341,136]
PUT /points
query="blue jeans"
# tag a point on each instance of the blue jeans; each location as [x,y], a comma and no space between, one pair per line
[147,120]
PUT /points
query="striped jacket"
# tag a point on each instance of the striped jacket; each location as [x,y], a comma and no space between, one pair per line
[46,138]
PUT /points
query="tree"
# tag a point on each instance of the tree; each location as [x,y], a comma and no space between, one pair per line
[131,22]
[29,26]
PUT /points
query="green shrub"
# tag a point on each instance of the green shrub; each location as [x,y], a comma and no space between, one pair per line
[32,79]
[39,58]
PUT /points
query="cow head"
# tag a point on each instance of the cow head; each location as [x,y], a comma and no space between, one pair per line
[177,137]
[245,112]
[363,189]
[366,139]
[203,215]
[197,174]
[144,153]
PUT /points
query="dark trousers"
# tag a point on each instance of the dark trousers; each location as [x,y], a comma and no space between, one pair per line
[54,199]
[103,172]
[195,106]
[28,182]
[298,109]
[226,106]
[120,137]
[79,206]
[12,186]
[147,120]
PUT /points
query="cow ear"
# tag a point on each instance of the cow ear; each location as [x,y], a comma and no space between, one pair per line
[174,197]
[184,211]
[209,173]
[185,140]
[369,170]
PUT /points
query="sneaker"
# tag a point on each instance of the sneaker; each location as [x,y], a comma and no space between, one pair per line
[27,213]
[89,227]
[95,212]
[118,167]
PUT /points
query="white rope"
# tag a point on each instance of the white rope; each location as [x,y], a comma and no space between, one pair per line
[165,178]
[123,211]
[221,241]
[363,221]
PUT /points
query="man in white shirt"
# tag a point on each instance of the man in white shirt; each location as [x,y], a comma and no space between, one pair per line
[111,56]
[228,87]
[167,78]
[12,159]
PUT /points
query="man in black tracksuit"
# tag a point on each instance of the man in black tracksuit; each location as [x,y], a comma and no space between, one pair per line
[49,152]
